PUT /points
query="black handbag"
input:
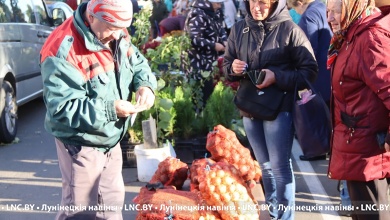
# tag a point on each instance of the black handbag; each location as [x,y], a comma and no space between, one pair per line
[262,104]
[259,103]
[312,125]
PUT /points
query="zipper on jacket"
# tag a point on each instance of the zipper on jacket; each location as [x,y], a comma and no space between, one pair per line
[347,45]
[351,132]
[114,53]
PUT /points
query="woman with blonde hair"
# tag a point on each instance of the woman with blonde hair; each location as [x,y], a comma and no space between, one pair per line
[268,41]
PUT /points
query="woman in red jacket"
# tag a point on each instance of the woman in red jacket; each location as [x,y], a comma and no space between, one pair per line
[360,67]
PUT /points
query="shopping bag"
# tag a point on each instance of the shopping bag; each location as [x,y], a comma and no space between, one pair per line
[312,124]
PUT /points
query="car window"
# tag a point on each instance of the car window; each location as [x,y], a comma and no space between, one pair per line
[16,11]
[40,10]
[24,12]
[6,14]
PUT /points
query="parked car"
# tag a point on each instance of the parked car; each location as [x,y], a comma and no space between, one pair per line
[24,27]
[60,11]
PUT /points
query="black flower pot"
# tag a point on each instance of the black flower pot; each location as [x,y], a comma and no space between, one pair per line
[183,150]
[128,155]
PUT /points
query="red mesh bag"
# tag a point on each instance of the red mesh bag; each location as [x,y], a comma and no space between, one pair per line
[224,146]
[197,172]
[171,172]
[169,203]
[224,188]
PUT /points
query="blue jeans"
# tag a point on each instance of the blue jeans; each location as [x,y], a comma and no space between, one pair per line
[271,142]
[344,195]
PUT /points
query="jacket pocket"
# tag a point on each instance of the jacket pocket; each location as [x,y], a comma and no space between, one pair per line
[100,85]
[103,79]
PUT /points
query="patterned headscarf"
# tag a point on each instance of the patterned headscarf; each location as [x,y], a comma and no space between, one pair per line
[351,10]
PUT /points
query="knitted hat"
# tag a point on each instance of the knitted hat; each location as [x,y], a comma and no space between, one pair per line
[115,12]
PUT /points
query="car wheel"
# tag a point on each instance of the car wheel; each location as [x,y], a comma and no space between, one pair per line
[8,113]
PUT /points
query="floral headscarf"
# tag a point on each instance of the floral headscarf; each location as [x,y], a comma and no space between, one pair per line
[351,10]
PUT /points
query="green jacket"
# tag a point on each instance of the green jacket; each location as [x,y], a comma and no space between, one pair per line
[81,84]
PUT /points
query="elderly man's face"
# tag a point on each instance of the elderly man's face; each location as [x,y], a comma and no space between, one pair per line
[103,31]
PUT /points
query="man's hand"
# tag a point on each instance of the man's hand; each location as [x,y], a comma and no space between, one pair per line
[124,108]
[145,98]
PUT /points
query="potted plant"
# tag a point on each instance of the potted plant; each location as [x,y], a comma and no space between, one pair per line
[169,52]
[142,26]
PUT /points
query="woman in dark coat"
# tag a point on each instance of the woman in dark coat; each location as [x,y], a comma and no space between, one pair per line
[276,45]
[208,39]
[159,12]
[313,22]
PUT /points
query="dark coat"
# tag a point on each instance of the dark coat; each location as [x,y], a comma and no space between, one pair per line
[159,12]
[173,23]
[277,44]
[315,25]
[204,27]
[361,89]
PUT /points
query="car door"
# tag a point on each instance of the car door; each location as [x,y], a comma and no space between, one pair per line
[10,41]
[34,31]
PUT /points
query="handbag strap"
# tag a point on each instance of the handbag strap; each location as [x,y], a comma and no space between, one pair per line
[245,42]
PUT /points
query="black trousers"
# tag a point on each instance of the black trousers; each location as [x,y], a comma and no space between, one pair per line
[370,199]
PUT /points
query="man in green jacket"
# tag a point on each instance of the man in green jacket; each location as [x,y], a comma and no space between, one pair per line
[90,70]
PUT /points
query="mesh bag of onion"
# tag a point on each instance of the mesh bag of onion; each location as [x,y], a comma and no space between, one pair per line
[224,145]
[169,204]
[224,189]
[197,171]
[171,172]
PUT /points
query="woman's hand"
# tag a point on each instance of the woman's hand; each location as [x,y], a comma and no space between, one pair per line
[268,80]
[387,147]
[238,66]
[219,47]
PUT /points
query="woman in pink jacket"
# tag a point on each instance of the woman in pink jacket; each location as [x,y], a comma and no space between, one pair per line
[360,67]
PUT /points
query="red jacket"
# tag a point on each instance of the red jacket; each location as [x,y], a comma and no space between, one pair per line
[361,89]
